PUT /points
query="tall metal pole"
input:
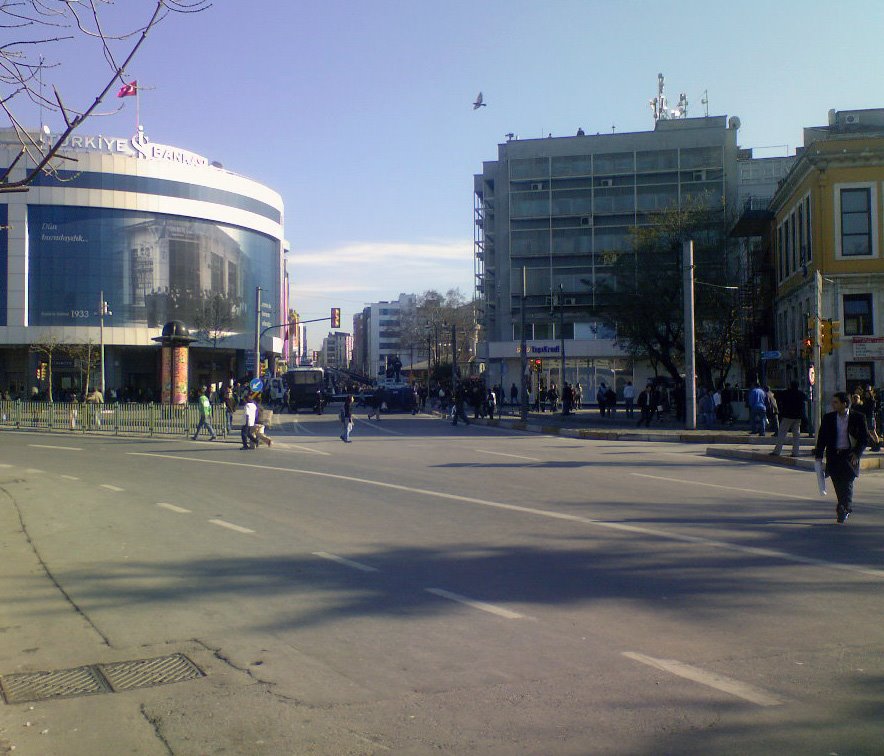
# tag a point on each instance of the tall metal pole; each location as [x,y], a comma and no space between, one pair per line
[524,352]
[816,389]
[690,378]
[257,332]
[453,360]
[101,310]
[562,339]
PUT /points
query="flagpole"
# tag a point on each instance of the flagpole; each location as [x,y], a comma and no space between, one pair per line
[137,108]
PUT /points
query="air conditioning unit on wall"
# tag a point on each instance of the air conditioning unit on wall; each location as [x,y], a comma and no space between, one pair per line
[851,119]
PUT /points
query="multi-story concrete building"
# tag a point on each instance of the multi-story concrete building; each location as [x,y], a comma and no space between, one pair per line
[337,350]
[165,235]
[828,228]
[382,328]
[556,208]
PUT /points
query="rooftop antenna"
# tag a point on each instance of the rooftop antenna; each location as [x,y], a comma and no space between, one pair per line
[705,101]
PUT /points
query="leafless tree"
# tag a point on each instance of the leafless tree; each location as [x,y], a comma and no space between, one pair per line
[215,319]
[52,346]
[88,357]
[39,33]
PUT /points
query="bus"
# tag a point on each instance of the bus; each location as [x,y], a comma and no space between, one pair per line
[306,388]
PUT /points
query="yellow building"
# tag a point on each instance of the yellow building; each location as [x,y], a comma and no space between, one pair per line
[828,249]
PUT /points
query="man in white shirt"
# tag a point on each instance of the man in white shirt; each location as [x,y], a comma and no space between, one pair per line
[249,439]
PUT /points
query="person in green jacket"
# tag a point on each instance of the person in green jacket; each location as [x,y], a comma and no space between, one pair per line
[205,415]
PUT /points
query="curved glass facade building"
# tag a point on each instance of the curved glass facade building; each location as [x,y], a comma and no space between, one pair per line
[165,235]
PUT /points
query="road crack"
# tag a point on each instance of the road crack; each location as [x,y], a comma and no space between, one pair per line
[76,607]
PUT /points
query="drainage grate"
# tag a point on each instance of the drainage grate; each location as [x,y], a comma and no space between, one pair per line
[146,673]
[38,686]
[98,678]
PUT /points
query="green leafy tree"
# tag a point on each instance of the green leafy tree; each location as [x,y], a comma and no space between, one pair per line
[645,298]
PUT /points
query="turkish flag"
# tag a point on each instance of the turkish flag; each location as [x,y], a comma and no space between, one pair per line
[128,90]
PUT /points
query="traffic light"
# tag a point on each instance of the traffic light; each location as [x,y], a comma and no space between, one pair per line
[807,349]
[826,337]
[335,317]
[812,330]
[538,365]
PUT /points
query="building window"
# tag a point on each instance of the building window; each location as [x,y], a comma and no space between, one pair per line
[856,222]
[807,234]
[858,315]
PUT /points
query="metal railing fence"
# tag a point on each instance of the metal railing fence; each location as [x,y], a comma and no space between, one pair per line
[111,419]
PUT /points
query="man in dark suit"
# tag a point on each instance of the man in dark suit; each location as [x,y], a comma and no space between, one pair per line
[843,436]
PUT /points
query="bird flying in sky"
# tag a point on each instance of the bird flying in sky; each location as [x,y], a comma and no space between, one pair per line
[478,103]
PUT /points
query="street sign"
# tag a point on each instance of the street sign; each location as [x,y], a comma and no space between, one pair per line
[256,384]
[811,375]
[771,355]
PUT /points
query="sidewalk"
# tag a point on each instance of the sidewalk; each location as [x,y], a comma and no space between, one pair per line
[730,442]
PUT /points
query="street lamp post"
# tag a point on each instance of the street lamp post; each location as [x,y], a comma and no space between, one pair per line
[690,378]
[103,309]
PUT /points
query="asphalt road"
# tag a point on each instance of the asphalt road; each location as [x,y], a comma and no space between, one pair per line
[433,588]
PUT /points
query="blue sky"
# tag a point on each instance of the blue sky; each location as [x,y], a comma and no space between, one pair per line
[358,112]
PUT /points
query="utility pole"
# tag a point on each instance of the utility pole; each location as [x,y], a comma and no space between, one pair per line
[103,310]
[690,380]
[524,350]
[257,332]
[453,359]
[562,339]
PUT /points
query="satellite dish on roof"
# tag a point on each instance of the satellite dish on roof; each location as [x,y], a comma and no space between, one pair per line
[734,122]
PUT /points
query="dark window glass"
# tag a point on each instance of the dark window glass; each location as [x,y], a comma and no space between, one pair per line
[856,225]
[858,315]
[4,254]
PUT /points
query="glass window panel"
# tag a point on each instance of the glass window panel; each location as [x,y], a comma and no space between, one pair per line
[656,160]
[529,168]
[572,165]
[701,157]
[855,200]
[855,223]
[852,246]
[613,162]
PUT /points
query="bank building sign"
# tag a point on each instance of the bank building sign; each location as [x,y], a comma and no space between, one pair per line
[138,146]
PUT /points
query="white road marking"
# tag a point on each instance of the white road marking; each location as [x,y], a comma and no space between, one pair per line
[231,526]
[483,606]
[70,477]
[754,551]
[47,446]
[34,471]
[347,562]
[173,508]
[710,679]
[5,465]
[109,487]
[301,428]
[377,426]
[726,488]
[504,454]
[285,446]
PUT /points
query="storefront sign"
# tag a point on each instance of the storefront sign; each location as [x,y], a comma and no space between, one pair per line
[868,347]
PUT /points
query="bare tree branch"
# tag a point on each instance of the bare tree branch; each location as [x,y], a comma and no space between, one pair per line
[23,64]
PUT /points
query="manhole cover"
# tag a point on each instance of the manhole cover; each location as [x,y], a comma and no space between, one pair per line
[98,678]
[38,686]
[145,673]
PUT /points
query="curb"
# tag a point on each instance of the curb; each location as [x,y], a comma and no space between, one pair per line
[867,464]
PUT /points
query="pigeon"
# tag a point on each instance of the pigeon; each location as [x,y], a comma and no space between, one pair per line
[478,103]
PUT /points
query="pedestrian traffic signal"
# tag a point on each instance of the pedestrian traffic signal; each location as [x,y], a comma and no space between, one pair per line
[335,317]
[537,365]
[807,348]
